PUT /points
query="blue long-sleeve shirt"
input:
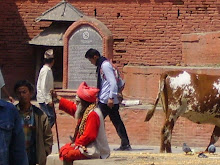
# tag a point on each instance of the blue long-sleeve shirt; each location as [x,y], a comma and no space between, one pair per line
[109,88]
[12,142]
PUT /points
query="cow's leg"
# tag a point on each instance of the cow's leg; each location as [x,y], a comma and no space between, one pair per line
[171,118]
[166,135]
[215,136]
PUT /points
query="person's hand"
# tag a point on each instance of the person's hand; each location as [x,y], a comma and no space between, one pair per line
[110,103]
[50,104]
[97,101]
[55,96]
[120,97]
[11,99]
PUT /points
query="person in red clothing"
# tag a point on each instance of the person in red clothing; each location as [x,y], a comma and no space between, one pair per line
[90,139]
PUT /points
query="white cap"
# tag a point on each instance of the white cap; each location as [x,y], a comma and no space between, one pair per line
[49,54]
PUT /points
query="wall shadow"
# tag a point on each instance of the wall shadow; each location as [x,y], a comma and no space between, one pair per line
[16,55]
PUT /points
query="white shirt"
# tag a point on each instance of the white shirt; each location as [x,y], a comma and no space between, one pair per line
[2,82]
[45,85]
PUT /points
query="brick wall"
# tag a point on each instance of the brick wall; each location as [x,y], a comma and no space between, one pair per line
[148,32]
[201,48]
[145,32]
[143,82]
[140,132]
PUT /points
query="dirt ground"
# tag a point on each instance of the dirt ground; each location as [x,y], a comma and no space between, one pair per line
[164,159]
[149,155]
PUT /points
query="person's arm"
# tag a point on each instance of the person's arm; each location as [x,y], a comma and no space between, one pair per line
[11,99]
[67,106]
[2,86]
[64,104]
[48,88]
[45,89]
[110,77]
[91,130]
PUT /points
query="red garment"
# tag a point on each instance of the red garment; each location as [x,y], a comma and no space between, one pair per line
[92,123]
[69,153]
[67,106]
[87,93]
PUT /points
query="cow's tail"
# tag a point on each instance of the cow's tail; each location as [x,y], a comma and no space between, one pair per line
[150,113]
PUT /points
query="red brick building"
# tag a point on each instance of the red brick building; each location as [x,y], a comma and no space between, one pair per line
[145,33]
[148,35]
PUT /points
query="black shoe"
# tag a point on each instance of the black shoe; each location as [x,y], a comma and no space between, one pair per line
[123,148]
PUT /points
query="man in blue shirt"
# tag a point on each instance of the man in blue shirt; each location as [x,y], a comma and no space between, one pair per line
[12,142]
[108,100]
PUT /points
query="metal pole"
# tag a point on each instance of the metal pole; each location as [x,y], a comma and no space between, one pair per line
[58,142]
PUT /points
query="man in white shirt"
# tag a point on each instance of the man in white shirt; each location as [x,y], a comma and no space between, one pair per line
[45,85]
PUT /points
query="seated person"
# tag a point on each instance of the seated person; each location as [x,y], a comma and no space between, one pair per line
[38,134]
[90,139]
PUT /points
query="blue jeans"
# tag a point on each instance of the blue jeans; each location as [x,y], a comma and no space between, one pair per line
[49,112]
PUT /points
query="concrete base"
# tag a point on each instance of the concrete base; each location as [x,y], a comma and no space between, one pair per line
[53,159]
[110,161]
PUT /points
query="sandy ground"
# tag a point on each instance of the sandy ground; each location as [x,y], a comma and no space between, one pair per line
[164,159]
[149,155]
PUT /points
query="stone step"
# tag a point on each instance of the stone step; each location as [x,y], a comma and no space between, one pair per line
[66,93]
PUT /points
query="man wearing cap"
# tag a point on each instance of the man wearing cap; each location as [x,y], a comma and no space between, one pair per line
[90,139]
[45,85]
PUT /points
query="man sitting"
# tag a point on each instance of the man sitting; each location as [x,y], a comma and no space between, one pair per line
[90,139]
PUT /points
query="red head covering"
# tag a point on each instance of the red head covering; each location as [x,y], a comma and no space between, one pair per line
[87,93]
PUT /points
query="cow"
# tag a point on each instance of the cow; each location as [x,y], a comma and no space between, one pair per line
[193,96]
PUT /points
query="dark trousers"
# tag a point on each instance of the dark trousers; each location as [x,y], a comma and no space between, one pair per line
[116,120]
